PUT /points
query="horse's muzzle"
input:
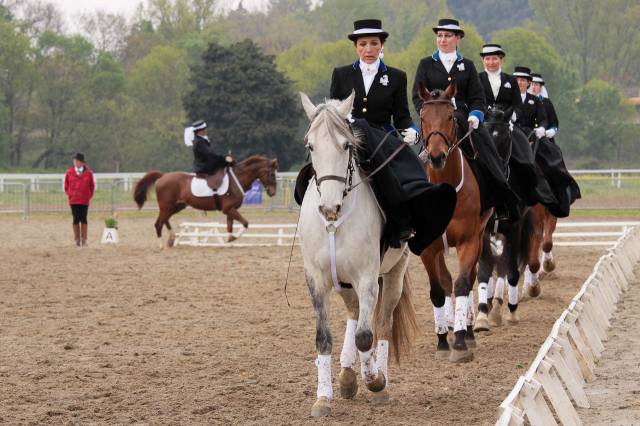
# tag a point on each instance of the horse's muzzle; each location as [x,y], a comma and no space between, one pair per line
[330,214]
[439,161]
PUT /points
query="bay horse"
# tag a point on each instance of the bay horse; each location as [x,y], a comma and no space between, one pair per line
[173,192]
[340,230]
[447,164]
[540,252]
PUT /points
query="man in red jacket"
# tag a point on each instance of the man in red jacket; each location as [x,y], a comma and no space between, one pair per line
[79,187]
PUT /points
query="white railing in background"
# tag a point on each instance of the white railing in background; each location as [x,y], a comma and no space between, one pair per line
[567,359]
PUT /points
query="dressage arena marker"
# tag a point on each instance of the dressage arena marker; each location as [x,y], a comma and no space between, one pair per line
[214,234]
[566,360]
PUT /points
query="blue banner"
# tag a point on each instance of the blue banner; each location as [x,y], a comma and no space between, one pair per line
[254,195]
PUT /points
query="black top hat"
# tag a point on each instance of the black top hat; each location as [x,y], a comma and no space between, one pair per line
[449,25]
[199,125]
[537,78]
[522,72]
[492,49]
[79,156]
[368,28]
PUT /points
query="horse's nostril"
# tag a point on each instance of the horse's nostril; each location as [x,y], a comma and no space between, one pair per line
[338,208]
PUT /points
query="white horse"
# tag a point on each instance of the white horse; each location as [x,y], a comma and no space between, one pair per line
[340,231]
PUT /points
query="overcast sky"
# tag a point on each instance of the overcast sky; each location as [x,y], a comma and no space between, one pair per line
[73,8]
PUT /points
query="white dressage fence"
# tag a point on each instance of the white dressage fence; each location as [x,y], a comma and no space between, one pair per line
[554,383]
[214,234]
[573,233]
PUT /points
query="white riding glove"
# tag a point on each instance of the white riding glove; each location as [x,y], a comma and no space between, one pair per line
[410,136]
[550,133]
[540,132]
[473,122]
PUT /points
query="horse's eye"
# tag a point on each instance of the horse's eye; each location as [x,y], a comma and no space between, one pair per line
[346,146]
[451,117]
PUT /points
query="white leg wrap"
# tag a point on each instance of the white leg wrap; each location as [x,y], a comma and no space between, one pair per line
[349,350]
[499,288]
[382,357]
[513,294]
[448,309]
[490,287]
[471,314]
[547,256]
[482,293]
[462,306]
[440,319]
[368,366]
[323,362]
[527,277]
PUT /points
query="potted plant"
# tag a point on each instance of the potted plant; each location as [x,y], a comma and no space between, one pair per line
[110,233]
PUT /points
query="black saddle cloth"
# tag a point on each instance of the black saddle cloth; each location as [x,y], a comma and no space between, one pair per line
[549,158]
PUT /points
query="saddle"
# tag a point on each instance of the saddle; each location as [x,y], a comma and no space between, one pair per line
[213,180]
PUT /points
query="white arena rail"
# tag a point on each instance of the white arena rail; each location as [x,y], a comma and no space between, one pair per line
[571,235]
[567,358]
[214,234]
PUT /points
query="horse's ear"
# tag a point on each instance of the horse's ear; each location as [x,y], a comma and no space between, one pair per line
[309,107]
[274,163]
[508,113]
[451,90]
[346,106]
[423,93]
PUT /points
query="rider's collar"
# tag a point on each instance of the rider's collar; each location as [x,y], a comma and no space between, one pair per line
[436,56]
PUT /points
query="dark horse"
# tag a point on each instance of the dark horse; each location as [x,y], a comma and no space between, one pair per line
[173,191]
[447,164]
[508,254]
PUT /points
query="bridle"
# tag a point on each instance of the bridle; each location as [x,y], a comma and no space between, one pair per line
[447,140]
[506,159]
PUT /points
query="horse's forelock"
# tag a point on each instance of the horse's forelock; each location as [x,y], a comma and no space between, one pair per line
[327,113]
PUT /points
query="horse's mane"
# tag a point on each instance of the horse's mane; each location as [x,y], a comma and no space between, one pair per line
[327,114]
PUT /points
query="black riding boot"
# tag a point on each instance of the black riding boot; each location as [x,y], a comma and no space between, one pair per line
[431,211]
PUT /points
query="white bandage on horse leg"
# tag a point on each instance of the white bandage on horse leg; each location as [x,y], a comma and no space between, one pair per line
[323,362]
[490,287]
[349,350]
[440,319]
[527,278]
[547,256]
[471,314]
[482,293]
[368,366]
[462,306]
[513,294]
[382,357]
[499,289]
[448,310]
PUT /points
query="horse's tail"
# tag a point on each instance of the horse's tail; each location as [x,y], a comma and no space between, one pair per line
[524,245]
[405,322]
[143,185]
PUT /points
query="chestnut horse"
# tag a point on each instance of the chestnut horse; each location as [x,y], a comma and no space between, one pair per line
[541,244]
[173,191]
[465,231]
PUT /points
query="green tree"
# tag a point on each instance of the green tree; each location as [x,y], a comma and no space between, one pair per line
[599,38]
[247,102]
[491,15]
[17,79]
[604,119]
[157,84]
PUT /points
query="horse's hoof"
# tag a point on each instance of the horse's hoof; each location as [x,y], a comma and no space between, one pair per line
[459,357]
[482,322]
[231,239]
[321,408]
[471,342]
[442,354]
[378,384]
[495,316]
[513,318]
[171,243]
[548,265]
[534,290]
[380,398]
[348,380]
